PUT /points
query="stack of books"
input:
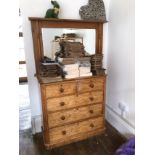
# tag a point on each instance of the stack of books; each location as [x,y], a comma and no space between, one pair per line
[73,60]
[96,61]
[80,60]
[85,69]
[77,70]
[50,70]
[96,64]
[71,49]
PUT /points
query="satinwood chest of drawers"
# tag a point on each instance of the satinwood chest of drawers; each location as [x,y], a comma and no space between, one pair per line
[72,110]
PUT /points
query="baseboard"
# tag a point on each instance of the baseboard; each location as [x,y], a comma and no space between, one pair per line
[36,124]
[123,126]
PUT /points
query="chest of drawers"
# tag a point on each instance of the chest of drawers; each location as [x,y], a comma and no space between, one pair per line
[73,110]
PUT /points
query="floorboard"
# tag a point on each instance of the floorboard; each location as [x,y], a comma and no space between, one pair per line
[104,144]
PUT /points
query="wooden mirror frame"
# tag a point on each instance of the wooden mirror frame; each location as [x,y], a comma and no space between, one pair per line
[38,23]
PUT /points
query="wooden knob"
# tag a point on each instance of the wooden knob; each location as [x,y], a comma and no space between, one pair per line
[91,85]
[61,90]
[91,111]
[91,98]
[62,117]
[62,103]
[64,132]
[91,125]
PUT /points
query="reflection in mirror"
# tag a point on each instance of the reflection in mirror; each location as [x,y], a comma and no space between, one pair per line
[52,36]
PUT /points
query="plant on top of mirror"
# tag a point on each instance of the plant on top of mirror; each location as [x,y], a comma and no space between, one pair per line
[53,13]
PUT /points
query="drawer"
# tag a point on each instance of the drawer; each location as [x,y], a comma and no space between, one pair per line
[90,98]
[69,132]
[72,101]
[61,103]
[59,89]
[73,115]
[92,84]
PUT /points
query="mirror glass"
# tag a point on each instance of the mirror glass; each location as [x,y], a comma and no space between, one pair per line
[52,36]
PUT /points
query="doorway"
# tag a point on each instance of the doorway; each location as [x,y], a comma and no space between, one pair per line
[24,101]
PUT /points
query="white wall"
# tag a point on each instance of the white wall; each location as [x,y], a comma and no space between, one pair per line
[120,65]
[37,8]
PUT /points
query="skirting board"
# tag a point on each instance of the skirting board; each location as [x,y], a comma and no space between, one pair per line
[36,124]
[117,122]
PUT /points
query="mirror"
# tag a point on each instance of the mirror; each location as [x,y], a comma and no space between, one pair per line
[52,36]
[44,31]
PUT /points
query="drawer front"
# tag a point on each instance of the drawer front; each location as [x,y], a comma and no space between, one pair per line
[86,85]
[90,98]
[64,88]
[68,132]
[72,101]
[76,114]
[61,103]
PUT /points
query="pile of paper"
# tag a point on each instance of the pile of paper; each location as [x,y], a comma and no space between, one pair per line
[71,71]
[85,71]
[77,70]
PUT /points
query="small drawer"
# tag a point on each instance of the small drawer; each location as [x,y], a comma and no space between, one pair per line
[73,115]
[92,84]
[68,132]
[90,98]
[71,101]
[60,89]
[61,103]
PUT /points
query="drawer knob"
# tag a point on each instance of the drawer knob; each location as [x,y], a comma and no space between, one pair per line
[61,90]
[91,111]
[91,98]
[64,132]
[91,125]
[91,85]
[62,117]
[62,103]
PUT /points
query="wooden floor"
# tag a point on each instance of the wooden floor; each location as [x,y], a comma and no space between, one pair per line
[104,144]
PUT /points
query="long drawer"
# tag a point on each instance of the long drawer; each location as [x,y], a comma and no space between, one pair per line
[60,89]
[61,103]
[73,115]
[69,132]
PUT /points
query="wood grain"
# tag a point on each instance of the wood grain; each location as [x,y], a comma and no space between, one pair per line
[66,133]
[73,109]
[90,85]
[74,115]
[72,101]
[78,103]
[63,88]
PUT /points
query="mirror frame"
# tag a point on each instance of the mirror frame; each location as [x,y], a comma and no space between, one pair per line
[38,23]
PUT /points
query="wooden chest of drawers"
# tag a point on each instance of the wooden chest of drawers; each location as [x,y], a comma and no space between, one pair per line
[73,110]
